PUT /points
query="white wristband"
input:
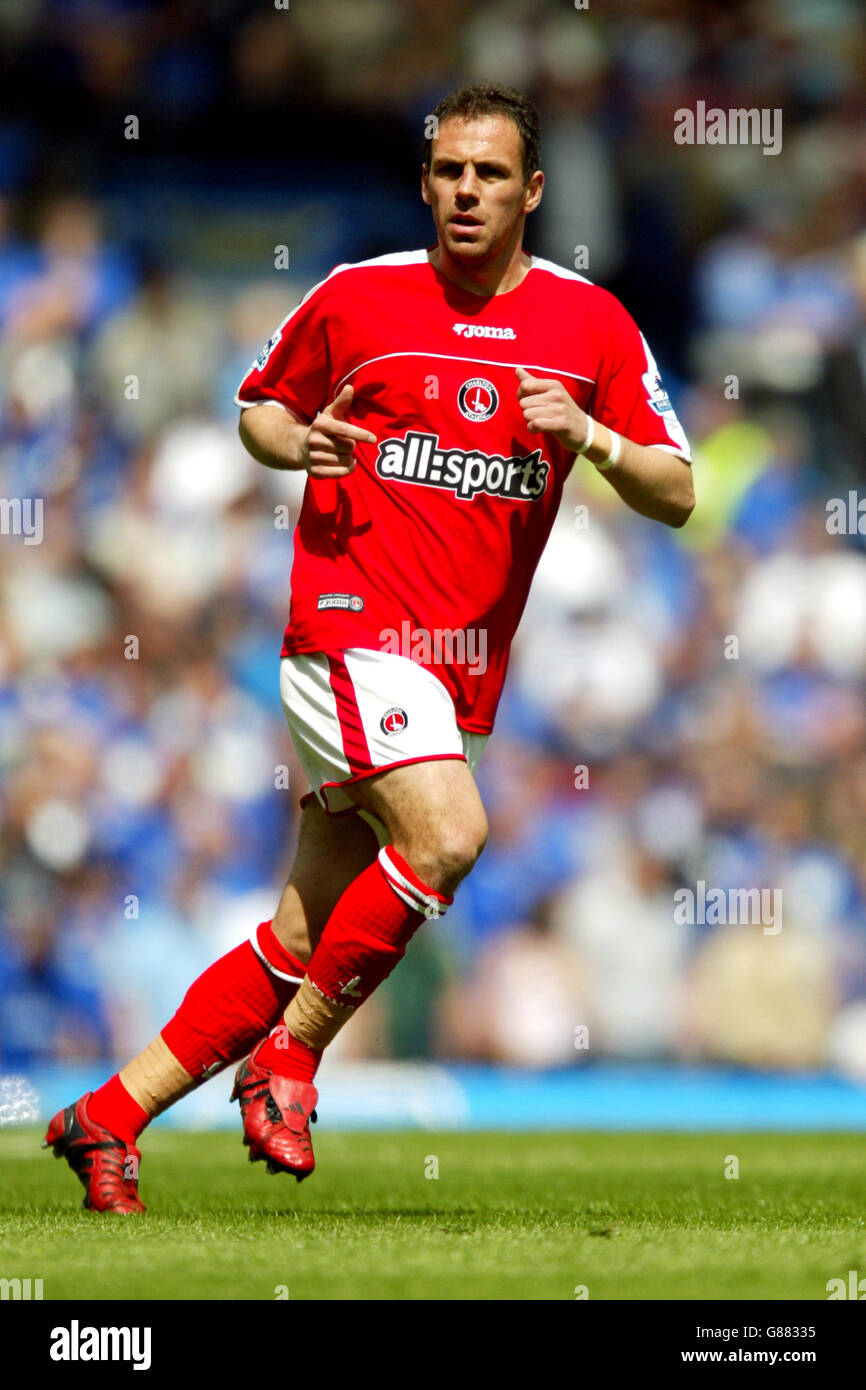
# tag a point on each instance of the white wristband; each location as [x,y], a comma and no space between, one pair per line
[615,446]
[587,443]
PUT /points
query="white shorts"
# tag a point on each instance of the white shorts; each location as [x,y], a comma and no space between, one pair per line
[357,712]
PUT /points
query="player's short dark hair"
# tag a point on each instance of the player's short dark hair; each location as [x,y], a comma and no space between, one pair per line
[484,99]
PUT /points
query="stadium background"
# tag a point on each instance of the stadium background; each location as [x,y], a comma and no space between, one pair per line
[152,779]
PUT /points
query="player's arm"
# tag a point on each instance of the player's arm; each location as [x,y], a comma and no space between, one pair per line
[650,480]
[325,449]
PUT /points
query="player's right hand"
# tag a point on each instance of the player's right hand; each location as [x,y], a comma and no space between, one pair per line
[331,440]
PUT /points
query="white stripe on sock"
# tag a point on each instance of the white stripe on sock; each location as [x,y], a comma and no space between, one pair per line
[430,904]
[280,974]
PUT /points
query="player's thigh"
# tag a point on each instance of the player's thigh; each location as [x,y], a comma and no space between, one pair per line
[434,815]
[332,852]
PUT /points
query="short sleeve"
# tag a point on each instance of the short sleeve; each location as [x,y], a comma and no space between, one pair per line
[629,396]
[293,368]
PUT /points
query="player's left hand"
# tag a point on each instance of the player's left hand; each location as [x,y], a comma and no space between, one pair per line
[548,408]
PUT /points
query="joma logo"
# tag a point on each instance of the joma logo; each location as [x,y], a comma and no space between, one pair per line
[480,330]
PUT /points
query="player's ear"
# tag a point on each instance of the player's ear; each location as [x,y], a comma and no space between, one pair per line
[425,191]
[534,190]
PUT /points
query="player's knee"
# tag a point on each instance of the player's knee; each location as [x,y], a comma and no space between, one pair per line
[456,849]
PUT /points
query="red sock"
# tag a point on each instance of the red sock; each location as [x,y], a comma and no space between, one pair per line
[223,1015]
[289,1056]
[114,1107]
[237,999]
[365,937]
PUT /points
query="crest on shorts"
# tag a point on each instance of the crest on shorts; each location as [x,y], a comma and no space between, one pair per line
[394,720]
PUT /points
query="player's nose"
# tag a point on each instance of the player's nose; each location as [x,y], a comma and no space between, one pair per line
[467,188]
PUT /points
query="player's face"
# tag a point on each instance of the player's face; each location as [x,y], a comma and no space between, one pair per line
[475,186]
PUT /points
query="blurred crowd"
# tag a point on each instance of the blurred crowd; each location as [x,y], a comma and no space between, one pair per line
[682,707]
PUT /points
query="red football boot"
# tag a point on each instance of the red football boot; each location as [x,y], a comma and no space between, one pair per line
[276,1112]
[106,1167]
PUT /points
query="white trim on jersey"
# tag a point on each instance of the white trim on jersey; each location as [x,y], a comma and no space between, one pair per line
[419,257]
[671,424]
[266,400]
[412,258]
[392,258]
[454,357]
[671,449]
[539,263]
[657,396]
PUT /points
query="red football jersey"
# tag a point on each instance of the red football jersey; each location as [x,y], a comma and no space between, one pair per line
[429,547]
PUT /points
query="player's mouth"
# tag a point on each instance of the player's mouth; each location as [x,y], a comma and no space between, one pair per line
[464,222]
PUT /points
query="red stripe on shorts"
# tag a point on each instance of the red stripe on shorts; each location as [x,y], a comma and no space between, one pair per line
[351,728]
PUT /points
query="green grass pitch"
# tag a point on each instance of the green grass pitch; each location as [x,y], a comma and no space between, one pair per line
[510,1216]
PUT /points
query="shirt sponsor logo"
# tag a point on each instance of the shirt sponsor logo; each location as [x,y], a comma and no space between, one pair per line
[481,330]
[478,399]
[353,602]
[394,720]
[419,459]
